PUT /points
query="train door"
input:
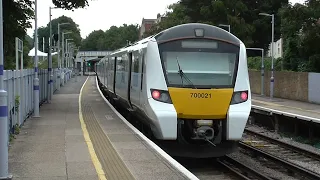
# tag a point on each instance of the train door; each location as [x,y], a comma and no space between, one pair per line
[110,72]
[130,54]
[135,85]
[114,75]
[105,77]
[142,73]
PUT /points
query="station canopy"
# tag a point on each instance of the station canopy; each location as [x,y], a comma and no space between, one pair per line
[32,52]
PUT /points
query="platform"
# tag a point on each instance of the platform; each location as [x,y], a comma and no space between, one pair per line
[84,138]
[290,108]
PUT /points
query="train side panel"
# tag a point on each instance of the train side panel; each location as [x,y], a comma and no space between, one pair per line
[135,85]
[163,115]
[238,113]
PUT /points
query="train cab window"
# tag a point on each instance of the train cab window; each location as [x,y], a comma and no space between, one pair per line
[199,63]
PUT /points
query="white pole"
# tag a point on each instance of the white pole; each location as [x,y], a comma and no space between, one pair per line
[36,79]
[272,54]
[3,111]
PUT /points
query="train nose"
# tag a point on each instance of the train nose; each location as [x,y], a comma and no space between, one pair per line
[201,103]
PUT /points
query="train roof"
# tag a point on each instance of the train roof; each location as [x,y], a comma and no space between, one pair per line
[188,30]
[181,31]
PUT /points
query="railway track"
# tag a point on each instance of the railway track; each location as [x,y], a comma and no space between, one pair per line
[282,156]
[240,170]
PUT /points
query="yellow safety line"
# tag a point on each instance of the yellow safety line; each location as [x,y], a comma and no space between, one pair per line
[280,105]
[92,152]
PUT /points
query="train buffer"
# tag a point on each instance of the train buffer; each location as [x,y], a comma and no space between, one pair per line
[80,136]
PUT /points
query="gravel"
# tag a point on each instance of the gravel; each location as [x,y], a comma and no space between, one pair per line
[290,141]
[311,165]
[260,167]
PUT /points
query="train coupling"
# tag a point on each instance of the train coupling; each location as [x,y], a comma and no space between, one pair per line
[204,132]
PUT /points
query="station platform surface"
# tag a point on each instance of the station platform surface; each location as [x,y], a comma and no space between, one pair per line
[83,138]
[303,110]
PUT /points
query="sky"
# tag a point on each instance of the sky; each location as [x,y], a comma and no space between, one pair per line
[102,14]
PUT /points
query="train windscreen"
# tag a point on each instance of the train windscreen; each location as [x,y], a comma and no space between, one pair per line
[199,63]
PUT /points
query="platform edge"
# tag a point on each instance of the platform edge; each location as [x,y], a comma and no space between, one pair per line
[302,117]
[173,162]
[93,155]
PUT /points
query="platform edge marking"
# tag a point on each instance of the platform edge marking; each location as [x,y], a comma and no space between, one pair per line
[280,105]
[173,162]
[302,117]
[93,155]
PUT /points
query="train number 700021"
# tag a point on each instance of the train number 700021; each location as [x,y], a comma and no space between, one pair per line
[200,95]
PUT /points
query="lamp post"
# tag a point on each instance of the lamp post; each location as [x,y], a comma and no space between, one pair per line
[63,56]
[36,79]
[262,67]
[272,54]
[59,60]
[225,25]
[50,57]
[63,48]
[67,52]
[59,55]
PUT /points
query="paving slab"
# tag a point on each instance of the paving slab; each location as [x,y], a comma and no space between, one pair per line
[52,147]
[141,160]
[55,146]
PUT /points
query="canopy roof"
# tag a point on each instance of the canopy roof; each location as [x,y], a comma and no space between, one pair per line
[32,52]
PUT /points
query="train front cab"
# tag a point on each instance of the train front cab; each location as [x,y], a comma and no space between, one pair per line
[207,84]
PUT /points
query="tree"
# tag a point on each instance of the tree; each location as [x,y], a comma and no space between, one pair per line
[15,21]
[112,39]
[90,43]
[16,16]
[70,4]
[243,16]
[300,30]
[72,27]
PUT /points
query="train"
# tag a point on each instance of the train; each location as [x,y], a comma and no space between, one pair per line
[188,86]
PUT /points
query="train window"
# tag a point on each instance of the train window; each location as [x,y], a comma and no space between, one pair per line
[126,62]
[199,44]
[135,63]
[204,63]
[120,64]
[142,69]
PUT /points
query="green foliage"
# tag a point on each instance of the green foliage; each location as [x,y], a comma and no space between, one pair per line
[16,129]
[70,4]
[43,64]
[72,27]
[241,15]
[17,16]
[17,103]
[300,27]
[112,39]
[254,63]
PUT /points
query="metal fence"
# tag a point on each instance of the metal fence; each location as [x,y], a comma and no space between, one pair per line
[19,86]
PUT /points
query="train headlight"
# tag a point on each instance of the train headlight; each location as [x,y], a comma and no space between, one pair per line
[204,122]
[199,32]
[239,97]
[161,95]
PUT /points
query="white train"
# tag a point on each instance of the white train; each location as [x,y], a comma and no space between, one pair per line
[188,84]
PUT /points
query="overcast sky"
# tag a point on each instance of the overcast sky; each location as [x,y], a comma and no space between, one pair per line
[101,14]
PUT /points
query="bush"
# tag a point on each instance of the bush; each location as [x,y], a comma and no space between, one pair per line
[254,63]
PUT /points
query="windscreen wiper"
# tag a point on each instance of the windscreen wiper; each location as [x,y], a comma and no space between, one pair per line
[183,75]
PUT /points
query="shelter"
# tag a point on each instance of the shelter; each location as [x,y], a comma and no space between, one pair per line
[32,52]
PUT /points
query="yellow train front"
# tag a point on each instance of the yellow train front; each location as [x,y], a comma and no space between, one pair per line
[189,84]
